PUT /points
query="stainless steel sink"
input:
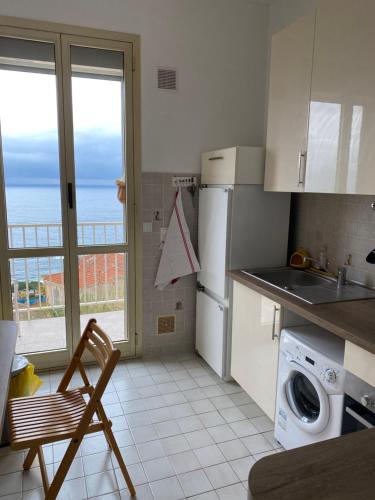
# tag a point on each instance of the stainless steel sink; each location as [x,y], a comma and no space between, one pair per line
[310,287]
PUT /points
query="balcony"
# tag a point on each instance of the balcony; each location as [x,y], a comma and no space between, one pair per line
[38,284]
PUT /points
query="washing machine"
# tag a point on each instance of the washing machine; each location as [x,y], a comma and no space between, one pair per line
[310,386]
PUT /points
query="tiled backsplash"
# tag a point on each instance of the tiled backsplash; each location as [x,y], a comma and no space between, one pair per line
[344,224]
[158,198]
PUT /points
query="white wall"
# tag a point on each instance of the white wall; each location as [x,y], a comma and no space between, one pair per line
[219,48]
[284,12]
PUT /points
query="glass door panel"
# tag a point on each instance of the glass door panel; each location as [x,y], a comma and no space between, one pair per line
[30,143]
[33,244]
[98,110]
[103,292]
[98,88]
[38,303]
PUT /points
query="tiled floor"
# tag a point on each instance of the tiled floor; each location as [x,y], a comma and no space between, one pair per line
[183,432]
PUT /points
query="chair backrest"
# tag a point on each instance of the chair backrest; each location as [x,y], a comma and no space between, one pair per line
[99,344]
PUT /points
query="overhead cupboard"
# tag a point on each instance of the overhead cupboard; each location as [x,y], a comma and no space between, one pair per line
[321,114]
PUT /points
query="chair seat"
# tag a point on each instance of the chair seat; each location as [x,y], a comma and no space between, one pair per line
[44,419]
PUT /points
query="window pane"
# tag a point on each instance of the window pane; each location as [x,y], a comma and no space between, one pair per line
[29,135]
[98,110]
[103,292]
[39,303]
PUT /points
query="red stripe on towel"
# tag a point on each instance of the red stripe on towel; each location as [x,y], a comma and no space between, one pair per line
[183,237]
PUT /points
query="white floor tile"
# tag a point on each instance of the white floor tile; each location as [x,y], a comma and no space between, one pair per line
[209,455]
[221,402]
[90,445]
[160,468]
[232,414]
[11,483]
[189,424]
[233,449]
[74,489]
[209,495]
[11,462]
[138,419]
[251,410]
[75,469]
[244,428]
[167,428]
[256,444]
[221,475]
[167,489]
[136,473]
[101,483]
[198,439]
[242,466]
[241,398]
[181,410]
[123,438]
[235,491]
[186,384]
[174,398]
[202,406]
[160,415]
[263,424]
[194,394]
[144,433]
[97,462]
[175,444]
[143,493]
[185,462]
[194,483]
[129,454]
[221,433]
[150,450]
[211,419]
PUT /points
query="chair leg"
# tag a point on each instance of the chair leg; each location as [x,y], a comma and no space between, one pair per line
[43,469]
[63,469]
[30,458]
[113,444]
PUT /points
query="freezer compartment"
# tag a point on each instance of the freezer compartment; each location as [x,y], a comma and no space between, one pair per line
[211,332]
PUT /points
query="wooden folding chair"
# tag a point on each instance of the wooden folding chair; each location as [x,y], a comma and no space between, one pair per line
[38,420]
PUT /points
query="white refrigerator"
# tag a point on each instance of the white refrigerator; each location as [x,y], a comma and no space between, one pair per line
[240,226]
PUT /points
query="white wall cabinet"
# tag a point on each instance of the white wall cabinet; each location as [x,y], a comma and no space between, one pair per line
[288,106]
[255,345]
[341,144]
[336,110]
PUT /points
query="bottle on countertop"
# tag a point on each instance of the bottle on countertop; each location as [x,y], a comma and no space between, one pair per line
[323,258]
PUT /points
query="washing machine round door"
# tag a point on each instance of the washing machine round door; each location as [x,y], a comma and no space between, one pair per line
[305,398]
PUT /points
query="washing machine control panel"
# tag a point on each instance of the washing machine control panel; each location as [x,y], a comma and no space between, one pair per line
[328,372]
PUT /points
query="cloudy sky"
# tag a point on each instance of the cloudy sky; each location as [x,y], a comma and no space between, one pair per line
[28,115]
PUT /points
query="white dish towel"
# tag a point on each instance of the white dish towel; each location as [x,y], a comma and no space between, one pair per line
[178,257]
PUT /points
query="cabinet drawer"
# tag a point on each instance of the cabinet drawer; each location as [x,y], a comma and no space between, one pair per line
[219,167]
[360,362]
[239,165]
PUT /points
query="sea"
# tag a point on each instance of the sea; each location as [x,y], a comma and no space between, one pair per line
[30,205]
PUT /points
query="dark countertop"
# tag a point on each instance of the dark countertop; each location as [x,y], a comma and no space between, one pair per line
[353,321]
[337,469]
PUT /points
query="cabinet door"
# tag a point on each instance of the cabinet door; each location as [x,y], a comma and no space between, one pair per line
[254,350]
[341,143]
[288,108]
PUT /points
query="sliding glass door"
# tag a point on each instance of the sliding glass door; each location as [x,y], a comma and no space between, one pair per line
[66,242]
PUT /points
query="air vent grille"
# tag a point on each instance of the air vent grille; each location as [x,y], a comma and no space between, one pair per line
[166,324]
[167,79]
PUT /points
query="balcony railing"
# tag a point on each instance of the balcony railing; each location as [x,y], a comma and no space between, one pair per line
[38,282]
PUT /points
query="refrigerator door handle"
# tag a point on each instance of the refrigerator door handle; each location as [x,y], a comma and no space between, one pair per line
[200,287]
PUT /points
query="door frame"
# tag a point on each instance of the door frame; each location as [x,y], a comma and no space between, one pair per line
[57,32]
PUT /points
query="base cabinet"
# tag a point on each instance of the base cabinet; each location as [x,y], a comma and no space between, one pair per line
[255,346]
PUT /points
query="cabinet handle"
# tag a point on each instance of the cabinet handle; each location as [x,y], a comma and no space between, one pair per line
[302,167]
[274,334]
[214,158]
